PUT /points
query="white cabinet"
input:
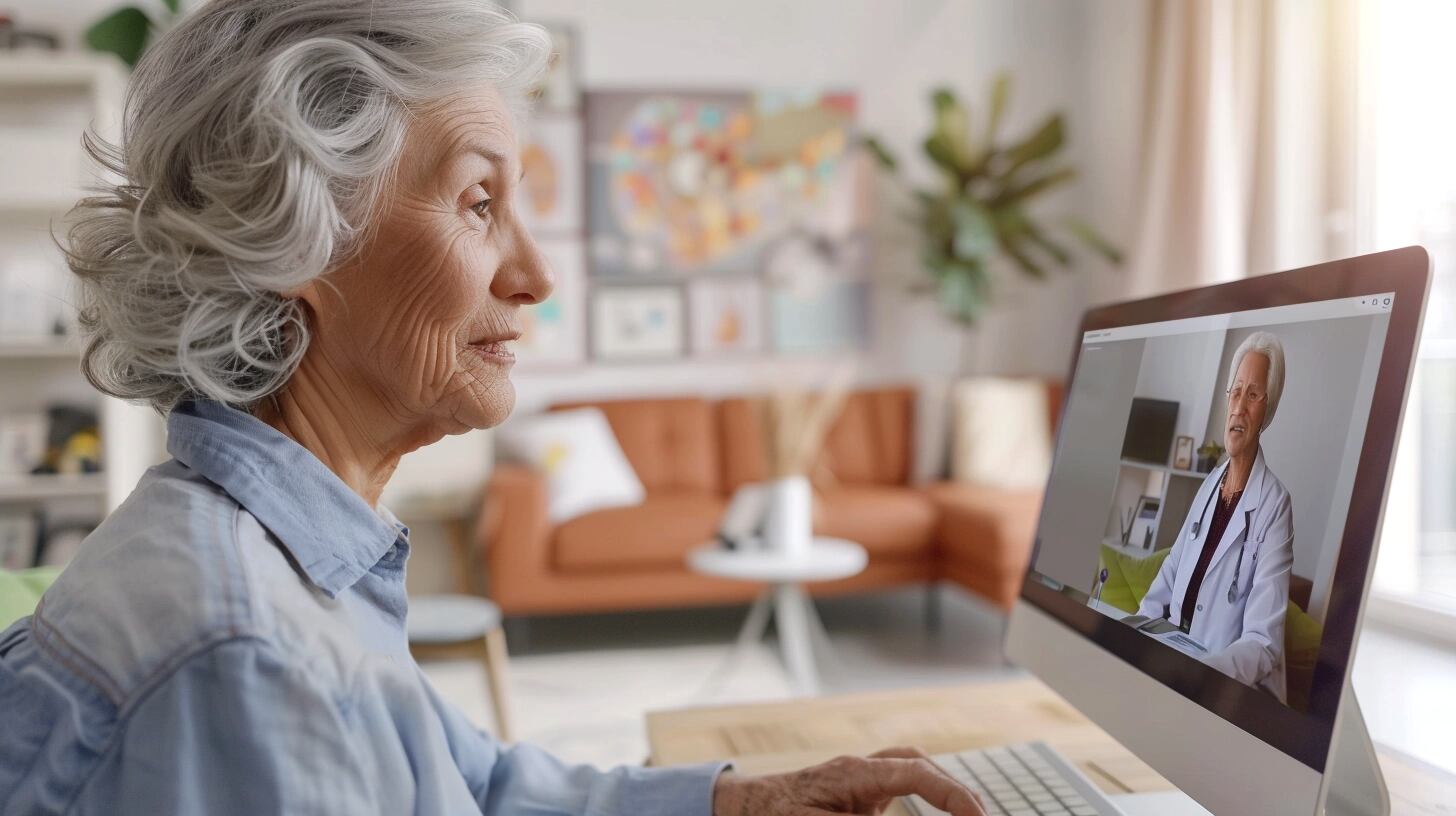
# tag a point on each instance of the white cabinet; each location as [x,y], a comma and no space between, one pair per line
[46,103]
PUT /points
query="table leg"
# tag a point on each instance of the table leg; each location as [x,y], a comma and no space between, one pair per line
[756,622]
[792,615]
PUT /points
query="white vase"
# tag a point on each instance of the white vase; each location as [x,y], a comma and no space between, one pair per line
[789,525]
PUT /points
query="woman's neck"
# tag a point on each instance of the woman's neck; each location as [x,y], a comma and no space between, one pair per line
[345,426]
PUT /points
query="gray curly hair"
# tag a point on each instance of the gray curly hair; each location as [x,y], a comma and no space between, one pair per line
[259,139]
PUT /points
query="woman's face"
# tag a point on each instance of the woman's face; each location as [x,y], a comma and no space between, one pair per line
[1248,400]
[424,317]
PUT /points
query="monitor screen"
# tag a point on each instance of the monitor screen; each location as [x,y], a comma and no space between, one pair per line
[1221,546]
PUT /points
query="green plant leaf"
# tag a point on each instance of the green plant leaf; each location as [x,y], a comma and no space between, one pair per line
[1094,240]
[1045,141]
[1000,97]
[975,234]
[172,5]
[123,32]
[964,291]
[951,134]
[1041,184]
[1049,246]
[880,152]
[1021,259]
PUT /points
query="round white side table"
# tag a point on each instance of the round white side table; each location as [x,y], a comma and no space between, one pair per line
[452,626]
[784,599]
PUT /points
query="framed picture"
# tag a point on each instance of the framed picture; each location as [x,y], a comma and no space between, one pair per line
[726,315]
[1183,453]
[637,322]
[1144,523]
[554,331]
[19,538]
[833,316]
[560,90]
[550,197]
[685,183]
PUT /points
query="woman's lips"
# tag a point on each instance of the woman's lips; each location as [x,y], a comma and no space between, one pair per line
[496,351]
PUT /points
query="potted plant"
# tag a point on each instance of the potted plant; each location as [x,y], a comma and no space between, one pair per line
[128,31]
[981,209]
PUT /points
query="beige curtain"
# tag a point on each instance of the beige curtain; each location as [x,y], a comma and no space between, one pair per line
[1245,148]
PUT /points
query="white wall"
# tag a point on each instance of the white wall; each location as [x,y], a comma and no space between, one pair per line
[893,54]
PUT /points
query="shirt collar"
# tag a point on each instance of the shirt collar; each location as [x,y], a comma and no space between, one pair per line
[333,534]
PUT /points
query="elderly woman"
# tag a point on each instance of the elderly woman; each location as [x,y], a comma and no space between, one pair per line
[313,265]
[1226,582]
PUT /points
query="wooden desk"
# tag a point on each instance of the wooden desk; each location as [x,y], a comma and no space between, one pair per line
[771,737]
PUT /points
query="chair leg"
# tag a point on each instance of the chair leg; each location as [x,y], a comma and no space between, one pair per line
[497,669]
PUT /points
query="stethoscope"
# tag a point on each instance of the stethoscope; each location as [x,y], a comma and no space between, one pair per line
[1234,593]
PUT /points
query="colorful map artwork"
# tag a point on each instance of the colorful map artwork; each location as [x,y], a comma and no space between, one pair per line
[689,183]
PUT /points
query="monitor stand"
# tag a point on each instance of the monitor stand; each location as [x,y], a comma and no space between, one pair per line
[1356,785]
[1356,788]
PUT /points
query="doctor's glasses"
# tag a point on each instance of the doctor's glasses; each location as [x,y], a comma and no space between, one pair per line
[1251,395]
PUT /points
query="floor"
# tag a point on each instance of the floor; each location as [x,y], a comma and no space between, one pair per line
[581,685]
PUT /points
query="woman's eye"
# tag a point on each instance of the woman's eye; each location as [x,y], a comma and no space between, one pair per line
[481,208]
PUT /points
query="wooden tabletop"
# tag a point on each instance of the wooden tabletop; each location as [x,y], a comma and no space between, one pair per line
[771,737]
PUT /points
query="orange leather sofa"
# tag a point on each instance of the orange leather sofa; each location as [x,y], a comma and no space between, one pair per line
[691,455]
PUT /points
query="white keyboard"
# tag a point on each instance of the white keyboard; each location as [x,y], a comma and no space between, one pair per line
[1029,779]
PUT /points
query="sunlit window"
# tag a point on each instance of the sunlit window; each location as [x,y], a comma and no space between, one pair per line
[1409,147]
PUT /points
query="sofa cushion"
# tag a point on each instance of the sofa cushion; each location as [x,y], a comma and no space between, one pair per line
[986,528]
[1129,577]
[887,521]
[576,450]
[671,443]
[659,532]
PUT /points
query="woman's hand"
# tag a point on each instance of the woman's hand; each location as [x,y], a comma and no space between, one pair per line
[847,785]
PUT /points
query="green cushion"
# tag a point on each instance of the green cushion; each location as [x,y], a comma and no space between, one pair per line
[1128,577]
[21,591]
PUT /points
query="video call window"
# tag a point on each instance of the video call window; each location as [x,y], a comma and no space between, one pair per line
[1202,479]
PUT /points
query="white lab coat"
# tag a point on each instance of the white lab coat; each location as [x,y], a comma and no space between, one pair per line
[1245,638]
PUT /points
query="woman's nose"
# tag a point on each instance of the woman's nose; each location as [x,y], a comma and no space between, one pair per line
[526,276]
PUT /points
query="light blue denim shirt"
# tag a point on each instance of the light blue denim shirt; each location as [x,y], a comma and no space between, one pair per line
[231,640]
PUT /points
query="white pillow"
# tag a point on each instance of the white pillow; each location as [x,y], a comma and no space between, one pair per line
[1001,433]
[583,462]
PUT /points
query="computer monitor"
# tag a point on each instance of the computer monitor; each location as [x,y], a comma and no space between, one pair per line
[1223,660]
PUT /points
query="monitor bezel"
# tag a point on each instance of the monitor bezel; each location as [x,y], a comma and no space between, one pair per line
[1304,736]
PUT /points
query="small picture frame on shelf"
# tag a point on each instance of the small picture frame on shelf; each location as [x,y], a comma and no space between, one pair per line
[1183,453]
[1144,527]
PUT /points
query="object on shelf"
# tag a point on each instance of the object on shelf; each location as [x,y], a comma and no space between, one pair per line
[60,540]
[19,538]
[73,443]
[128,31]
[1208,456]
[33,303]
[22,441]
[13,38]
[1144,522]
[1183,453]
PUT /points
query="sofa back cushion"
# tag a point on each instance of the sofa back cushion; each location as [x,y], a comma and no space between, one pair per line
[672,443]
[869,442]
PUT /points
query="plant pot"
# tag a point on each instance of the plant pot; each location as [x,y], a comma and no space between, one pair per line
[789,525]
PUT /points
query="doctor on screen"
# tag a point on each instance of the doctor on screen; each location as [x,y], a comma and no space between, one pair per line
[1226,582]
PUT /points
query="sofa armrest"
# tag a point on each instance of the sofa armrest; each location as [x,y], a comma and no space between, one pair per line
[514,531]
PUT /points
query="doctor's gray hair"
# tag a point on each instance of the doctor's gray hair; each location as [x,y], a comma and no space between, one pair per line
[1265,343]
[259,140]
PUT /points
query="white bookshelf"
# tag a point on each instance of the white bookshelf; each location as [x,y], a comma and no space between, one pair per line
[47,100]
